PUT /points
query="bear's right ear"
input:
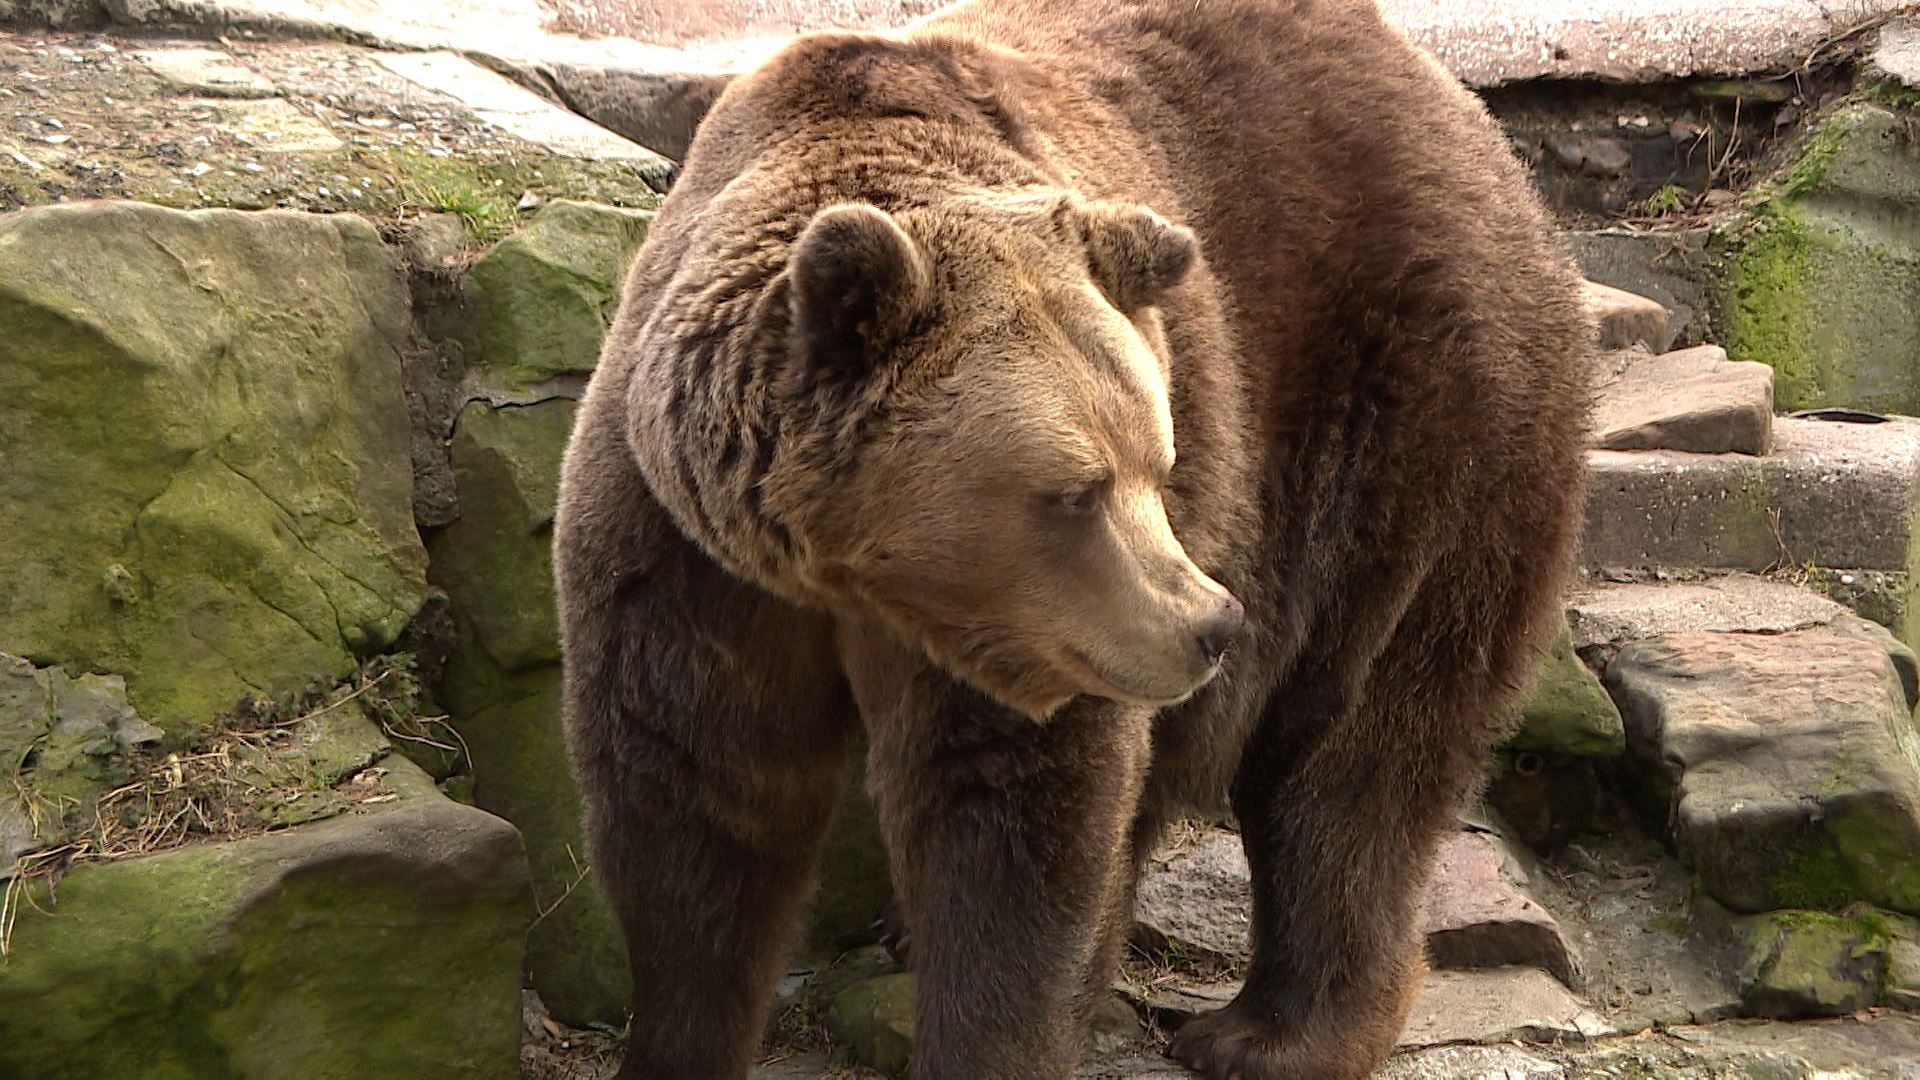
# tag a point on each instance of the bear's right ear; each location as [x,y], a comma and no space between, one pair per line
[856,284]
[1135,254]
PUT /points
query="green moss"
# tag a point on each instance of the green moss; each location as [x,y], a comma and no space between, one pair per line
[1889,92]
[539,304]
[874,1019]
[1815,156]
[1819,877]
[1566,710]
[1769,307]
[1882,857]
[1813,964]
[174,965]
[386,183]
[1667,199]
[207,442]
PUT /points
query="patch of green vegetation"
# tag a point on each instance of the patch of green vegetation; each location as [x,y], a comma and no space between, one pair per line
[1880,856]
[1670,922]
[1819,878]
[1815,156]
[485,194]
[1890,92]
[1771,92]
[486,218]
[1669,199]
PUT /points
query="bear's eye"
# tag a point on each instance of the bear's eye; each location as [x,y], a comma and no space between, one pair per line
[1081,500]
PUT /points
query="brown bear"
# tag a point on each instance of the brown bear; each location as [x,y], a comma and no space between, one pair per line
[1113,407]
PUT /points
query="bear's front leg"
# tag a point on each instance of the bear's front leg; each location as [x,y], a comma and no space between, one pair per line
[708,725]
[1342,798]
[1009,841]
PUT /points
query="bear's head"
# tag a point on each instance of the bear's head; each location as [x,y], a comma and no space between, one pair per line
[1007,509]
[964,432]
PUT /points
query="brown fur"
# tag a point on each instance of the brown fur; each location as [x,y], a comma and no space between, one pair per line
[1374,363]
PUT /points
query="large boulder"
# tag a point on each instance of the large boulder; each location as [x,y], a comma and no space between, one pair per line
[385,942]
[1809,963]
[206,450]
[1787,765]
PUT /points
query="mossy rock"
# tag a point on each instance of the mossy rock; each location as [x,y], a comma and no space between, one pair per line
[496,561]
[208,450]
[1567,711]
[502,688]
[382,943]
[1820,277]
[854,883]
[1786,765]
[1810,963]
[539,303]
[874,1020]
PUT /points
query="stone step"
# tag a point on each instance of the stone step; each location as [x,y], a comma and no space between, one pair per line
[1195,901]
[1770,740]
[1785,765]
[1626,319]
[1829,495]
[1693,400]
[1605,616]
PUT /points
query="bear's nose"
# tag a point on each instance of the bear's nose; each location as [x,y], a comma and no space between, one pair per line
[1219,630]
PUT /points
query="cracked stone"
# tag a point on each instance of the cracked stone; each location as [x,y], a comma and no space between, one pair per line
[239,526]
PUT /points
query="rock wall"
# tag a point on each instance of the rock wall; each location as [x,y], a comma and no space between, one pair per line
[201,416]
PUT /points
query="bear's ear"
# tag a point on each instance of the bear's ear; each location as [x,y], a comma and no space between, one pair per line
[1134,253]
[857,283]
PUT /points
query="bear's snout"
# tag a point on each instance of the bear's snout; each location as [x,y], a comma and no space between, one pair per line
[1219,630]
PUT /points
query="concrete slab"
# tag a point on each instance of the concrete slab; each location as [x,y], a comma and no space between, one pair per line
[517,110]
[207,71]
[1831,494]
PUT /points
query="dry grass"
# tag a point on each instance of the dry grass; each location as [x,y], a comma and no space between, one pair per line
[243,779]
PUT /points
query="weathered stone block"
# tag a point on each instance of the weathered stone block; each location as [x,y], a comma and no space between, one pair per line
[1609,615]
[1604,616]
[539,303]
[1693,400]
[1831,494]
[1479,915]
[1788,763]
[207,446]
[1196,898]
[502,687]
[1626,319]
[382,943]
[1809,963]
